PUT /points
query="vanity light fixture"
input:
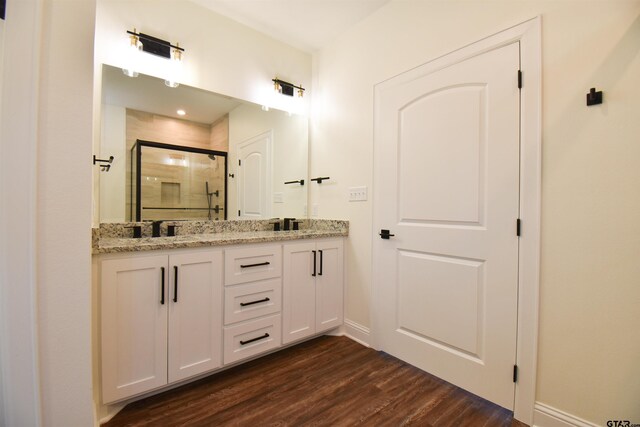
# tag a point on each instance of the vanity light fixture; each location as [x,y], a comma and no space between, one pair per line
[286,88]
[143,42]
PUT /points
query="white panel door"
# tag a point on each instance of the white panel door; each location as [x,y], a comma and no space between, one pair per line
[329,289]
[447,185]
[134,326]
[299,292]
[195,313]
[254,177]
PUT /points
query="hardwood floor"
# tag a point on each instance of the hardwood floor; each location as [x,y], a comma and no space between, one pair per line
[329,381]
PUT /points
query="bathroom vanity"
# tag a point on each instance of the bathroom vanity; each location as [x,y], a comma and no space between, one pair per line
[175,308]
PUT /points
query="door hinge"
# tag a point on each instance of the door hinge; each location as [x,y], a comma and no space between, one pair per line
[519,79]
[518,227]
[239,162]
[515,373]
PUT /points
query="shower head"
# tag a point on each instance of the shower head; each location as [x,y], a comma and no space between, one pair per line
[212,157]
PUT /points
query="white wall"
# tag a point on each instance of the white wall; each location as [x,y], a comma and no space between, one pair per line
[19,385]
[46,212]
[64,212]
[290,155]
[589,341]
[221,55]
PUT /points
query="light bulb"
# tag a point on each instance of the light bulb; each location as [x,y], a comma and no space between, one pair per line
[174,69]
[132,54]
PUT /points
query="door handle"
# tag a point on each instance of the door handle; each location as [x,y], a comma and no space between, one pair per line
[320,273]
[385,234]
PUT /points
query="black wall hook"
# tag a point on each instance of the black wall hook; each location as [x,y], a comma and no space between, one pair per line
[593,97]
[103,168]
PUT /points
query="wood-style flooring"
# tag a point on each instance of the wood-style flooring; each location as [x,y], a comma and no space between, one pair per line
[328,381]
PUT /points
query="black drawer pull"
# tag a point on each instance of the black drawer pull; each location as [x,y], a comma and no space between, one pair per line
[314,264]
[255,265]
[162,297]
[266,335]
[244,304]
[175,283]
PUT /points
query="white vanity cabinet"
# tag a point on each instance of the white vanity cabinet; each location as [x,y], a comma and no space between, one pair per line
[312,288]
[175,314]
[161,320]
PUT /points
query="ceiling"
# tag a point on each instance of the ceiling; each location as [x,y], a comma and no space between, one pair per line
[305,24]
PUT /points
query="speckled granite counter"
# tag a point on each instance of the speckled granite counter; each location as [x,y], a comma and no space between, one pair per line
[116,237]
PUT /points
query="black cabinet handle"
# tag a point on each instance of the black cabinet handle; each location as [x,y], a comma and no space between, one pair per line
[320,273]
[266,335]
[244,304]
[255,265]
[314,264]
[162,297]
[175,283]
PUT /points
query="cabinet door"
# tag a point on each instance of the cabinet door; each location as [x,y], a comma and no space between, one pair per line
[299,294]
[134,326]
[195,313]
[329,285]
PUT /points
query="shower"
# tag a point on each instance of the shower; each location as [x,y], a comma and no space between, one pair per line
[166,182]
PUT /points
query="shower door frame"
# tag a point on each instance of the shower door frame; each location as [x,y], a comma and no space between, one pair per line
[138,168]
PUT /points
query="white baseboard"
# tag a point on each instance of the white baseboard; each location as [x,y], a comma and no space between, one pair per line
[357,332]
[548,416]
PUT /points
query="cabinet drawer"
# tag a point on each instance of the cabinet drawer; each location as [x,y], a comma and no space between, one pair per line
[251,300]
[251,338]
[249,264]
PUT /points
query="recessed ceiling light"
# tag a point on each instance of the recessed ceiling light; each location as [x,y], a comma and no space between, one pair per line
[181,112]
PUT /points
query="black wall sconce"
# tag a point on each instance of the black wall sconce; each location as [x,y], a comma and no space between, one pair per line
[593,97]
[286,88]
[154,45]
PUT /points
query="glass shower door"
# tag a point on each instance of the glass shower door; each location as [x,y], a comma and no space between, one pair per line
[179,183]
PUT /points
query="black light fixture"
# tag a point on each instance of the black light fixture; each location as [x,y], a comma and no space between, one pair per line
[155,46]
[287,88]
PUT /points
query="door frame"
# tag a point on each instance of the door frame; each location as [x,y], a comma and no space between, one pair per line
[269,184]
[528,34]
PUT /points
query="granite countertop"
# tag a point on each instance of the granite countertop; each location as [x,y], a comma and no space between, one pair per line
[112,242]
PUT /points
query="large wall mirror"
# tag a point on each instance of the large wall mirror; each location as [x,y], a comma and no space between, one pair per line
[185,153]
